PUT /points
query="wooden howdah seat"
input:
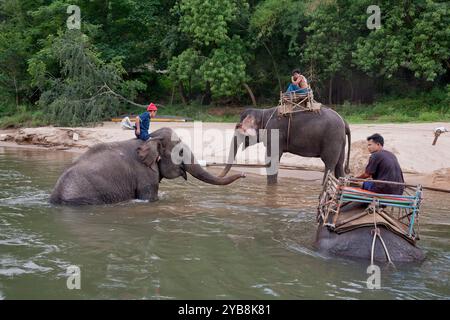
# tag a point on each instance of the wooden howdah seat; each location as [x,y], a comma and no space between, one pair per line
[297,102]
[398,213]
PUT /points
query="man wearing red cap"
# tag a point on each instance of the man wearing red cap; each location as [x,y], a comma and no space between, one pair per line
[143,122]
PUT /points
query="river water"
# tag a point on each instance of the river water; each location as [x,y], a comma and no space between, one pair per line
[242,241]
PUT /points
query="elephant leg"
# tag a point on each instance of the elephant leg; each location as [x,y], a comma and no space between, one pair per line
[272,178]
[339,169]
[330,158]
[148,192]
[329,166]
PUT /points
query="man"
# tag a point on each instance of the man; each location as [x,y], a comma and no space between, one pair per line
[143,122]
[383,165]
[299,84]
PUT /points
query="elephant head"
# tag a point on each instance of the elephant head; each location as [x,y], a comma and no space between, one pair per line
[165,151]
[246,134]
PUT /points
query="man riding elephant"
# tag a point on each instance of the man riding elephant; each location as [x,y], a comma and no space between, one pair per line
[132,169]
[307,134]
[142,126]
[383,165]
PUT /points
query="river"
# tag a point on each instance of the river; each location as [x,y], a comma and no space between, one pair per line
[241,241]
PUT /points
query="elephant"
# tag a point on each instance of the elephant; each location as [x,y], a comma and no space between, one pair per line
[307,134]
[132,169]
[357,243]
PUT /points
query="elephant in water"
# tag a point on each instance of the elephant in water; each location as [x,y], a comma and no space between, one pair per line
[307,134]
[357,243]
[132,169]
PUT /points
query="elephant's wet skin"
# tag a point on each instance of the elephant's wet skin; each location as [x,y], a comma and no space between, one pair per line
[132,169]
[357,243]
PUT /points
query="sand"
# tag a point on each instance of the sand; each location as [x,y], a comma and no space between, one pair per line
[411,143]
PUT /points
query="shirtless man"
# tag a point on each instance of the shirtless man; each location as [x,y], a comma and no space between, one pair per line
[299,84]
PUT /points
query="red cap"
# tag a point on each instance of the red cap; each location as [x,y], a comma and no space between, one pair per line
[152,107]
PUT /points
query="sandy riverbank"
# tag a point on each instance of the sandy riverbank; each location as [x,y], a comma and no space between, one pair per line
[412,143]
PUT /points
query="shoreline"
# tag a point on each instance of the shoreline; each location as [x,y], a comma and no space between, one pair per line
[421,162]
[310,175]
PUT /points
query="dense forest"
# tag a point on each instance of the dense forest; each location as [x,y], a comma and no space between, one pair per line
[79,61]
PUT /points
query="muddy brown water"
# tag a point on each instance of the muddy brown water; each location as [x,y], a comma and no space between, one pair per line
[242,241]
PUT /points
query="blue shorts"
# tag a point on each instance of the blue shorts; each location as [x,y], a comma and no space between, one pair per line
[369,186]
[297,89]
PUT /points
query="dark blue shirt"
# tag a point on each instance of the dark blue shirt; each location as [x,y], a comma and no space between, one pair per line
[383,165]
[144,125]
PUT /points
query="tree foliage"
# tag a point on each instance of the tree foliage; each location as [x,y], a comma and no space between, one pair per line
[87,89]
[214,56]
[210,50]
[415,35]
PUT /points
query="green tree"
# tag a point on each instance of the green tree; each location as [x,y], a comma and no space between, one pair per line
[88,89]
[215,54]
[414,35]
[334,26]
[276,27]
[15,47]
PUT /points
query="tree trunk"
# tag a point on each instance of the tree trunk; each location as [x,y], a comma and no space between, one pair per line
[206,100]
[183,94]
[275,67]
[250,93]
[351,89]
[173,94]
[17,93]
[330,91]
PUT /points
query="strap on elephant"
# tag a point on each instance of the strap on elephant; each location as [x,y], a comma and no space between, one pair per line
[397,213]
[376,233]
[288,131]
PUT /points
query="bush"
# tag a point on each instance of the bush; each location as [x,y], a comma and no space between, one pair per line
[23,118]
[429,106]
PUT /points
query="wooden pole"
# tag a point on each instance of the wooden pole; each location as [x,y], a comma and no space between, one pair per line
[402,184]
[256,165]
[286,167]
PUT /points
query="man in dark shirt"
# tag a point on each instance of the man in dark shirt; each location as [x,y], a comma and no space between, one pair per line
[143,122]
[383,165]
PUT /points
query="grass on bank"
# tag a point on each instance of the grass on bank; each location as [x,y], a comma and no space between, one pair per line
[394,111]
[23,119]
[197,112]
[431,107]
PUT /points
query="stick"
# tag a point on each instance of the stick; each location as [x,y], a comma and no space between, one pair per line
[436,189]
[256,165]
[245,165]
[403,184]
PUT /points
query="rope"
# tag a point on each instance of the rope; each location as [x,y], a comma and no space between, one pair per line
[376,232]
[288,132]
[395,126]
[264,127]
[373,247]
[386,250]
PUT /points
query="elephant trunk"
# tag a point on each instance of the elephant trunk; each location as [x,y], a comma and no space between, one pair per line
[231,156]
[198,172]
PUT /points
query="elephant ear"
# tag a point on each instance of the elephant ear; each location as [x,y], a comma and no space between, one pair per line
[149,153]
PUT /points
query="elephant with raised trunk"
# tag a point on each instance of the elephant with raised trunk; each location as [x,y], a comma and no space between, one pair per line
[132,169]
[307,134]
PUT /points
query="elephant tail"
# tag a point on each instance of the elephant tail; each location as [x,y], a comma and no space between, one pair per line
[349,139]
